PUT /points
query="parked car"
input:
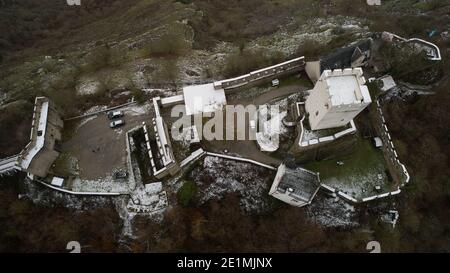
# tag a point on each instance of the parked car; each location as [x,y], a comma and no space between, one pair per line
[253,124]
[120,175]
[115,114]
[117,123]
[275,83]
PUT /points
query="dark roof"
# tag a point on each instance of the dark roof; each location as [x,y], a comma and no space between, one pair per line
[343,57]
[303,183]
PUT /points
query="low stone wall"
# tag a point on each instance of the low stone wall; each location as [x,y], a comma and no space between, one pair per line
[319,148]
[192,157]
[171,101]
[389,148]
[288,67]
[242,159]
[319,140]
[79,193]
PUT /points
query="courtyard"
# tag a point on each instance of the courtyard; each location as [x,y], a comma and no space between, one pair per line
[361,174]
[93,152]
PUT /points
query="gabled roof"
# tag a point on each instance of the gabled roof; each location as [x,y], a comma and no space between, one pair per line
[343,57]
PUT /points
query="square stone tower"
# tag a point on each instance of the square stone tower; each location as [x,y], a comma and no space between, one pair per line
[338,97]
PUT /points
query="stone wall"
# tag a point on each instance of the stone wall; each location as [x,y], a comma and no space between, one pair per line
[261,75]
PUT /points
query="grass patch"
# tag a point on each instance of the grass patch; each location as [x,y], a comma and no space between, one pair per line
[70,129]
[360,171]
[65,165]
[295,80]
[166,45]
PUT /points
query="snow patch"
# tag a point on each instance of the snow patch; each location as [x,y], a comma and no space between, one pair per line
[219,176]
[332,212]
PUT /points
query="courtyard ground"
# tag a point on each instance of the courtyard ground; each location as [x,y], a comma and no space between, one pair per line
[93,151]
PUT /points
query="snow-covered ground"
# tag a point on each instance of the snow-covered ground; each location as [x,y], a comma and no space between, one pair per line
[217,177]
[148,198]
[88,87]
[332,212]
[104,184]
[308,135]
[404,90]
[138,110]
[95,109]
[40,194]
[358,184]
[319,30]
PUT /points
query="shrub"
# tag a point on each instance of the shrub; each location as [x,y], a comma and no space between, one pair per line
[404,61]
[310,48]
[167,72]
[187,193]
[166,45]
[117,57]
[184,1]
[97,59]
[138,95]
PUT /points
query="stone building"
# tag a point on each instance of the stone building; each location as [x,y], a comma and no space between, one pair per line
[295,186]
[338,97]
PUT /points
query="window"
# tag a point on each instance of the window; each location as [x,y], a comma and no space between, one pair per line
[317,113]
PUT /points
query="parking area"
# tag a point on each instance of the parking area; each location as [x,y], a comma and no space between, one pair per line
[99,150]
